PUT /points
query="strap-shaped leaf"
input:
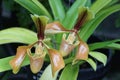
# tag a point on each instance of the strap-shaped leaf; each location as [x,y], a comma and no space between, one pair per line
[57,9]
[70,72]
[99,4]
[19,35]
[92,63]
[99,45]
[34,7]
[113,46]
[72,14]
[4,63]
[47,74]
[99,56]
[89,28]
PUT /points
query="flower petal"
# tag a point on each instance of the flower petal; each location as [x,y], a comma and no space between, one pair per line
[16,62]
[85,15]
[82,52]
[37,59]
[40,22]
[56,59]
[67,44]
[55,27]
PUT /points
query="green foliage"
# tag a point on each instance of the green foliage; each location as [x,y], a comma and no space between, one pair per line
[99,56]
[70,72]
[90,17]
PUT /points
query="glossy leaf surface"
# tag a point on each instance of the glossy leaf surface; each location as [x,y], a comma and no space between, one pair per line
[57,9]
[92,63]
[89,28]
[99,56]
[17,35]
[104,44]
[5,61]
[47,74]
[34,7]
[70,72]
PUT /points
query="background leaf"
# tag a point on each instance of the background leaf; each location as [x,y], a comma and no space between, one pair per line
[92,63]
[57,9]
[34,7]
[4,63]
[69,20]
[113,46]
[98,5]
[89,28]
[47,74]
[104,44]
[19,35]
[70,72]
[99,56]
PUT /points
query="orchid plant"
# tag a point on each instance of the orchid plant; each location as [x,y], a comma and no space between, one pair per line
[61,38]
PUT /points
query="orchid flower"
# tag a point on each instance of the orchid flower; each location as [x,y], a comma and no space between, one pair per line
[37,59]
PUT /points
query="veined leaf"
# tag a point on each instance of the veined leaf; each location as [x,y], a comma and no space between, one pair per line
[72,14]
[98,5]
[99,56]
[47,74]
[88,3]
[89,28]
[19,35]
[70,72]
[113,46]
[4,63]
[92,63]
[34,7]
[57,9]
[104,44]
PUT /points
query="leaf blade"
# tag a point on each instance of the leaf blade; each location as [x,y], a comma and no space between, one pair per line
[92,63]
[99,45]
[4,63]
[92,25]
[57,9]
[47,74]
[99,56]
[70,72]
[19,35]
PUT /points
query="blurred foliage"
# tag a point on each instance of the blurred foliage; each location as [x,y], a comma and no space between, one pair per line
[117,22]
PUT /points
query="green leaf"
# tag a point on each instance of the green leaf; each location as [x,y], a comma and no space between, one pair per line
[4,63]
[88,3]
[92,63]
[57,9]
[98,5]
[114,46]
[47,74]
[99,45]
[89,28]
[34,7]
[19,35]
[70,72]
[72,14]
[99,56]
